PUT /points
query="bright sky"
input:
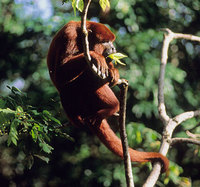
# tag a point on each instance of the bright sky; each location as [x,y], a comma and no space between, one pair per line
[45,8]
[40,8]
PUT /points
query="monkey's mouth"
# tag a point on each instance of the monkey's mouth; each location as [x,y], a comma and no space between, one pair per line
[108,59]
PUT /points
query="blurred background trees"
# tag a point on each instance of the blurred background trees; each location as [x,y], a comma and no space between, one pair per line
[26,29]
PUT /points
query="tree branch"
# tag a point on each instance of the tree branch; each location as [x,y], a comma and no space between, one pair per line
[169,123]
[164,56]
[194,136]
[186,115]
[184,140]
[122,121]
[85,32]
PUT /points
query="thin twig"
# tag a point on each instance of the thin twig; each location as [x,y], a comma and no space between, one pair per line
[122,121]
[184,140]
[194,136]
[187,37]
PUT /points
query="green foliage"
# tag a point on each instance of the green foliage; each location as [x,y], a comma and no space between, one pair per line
[104,4]
[79,4]
[139,134]
[174,174]
[76,4]
[20,121]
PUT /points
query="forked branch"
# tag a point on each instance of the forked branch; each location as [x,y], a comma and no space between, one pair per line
[169,123]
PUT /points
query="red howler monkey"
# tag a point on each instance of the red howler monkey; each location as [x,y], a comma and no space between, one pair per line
[87,98]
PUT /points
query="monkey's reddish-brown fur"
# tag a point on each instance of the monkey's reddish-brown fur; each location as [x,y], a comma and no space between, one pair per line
[86,98]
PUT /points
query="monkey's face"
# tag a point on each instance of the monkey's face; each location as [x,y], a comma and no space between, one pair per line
[104,48]
[109,48]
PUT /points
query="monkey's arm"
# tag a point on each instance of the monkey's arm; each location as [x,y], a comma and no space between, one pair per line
[113,74]
[73,67]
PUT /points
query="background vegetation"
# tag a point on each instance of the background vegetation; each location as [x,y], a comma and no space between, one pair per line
[26,29]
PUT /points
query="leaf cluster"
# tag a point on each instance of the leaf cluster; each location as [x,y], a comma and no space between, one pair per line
[21,122]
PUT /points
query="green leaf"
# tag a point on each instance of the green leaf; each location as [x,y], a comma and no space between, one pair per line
[6,115]
[2,103]
[44,158]
[74,6]
[19,109]
[138,137]
[80,5]
[46,113]
[48,116]
[14,90]
[45,147]
[35,112]
[13,134]
[13,140]
[116,57]
[77,4]
[104,4]
[34,135]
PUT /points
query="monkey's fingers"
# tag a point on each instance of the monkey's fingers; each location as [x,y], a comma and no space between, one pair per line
[104,71]
[94,68]
[114,77]
[107,72]
[100,69]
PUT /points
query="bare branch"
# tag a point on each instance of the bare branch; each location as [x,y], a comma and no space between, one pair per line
[186,115]
[187,37]
[164,56]
[169,123]
[192,135]
[122,121]
[184,140]
[85,32]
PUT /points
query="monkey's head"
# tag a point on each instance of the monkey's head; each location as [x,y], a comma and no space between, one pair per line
[101,39]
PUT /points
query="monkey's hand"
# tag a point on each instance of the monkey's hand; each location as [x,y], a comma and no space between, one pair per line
[99,65]
[113,75]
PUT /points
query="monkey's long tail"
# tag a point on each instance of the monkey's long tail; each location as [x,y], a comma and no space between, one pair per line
[112,142]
